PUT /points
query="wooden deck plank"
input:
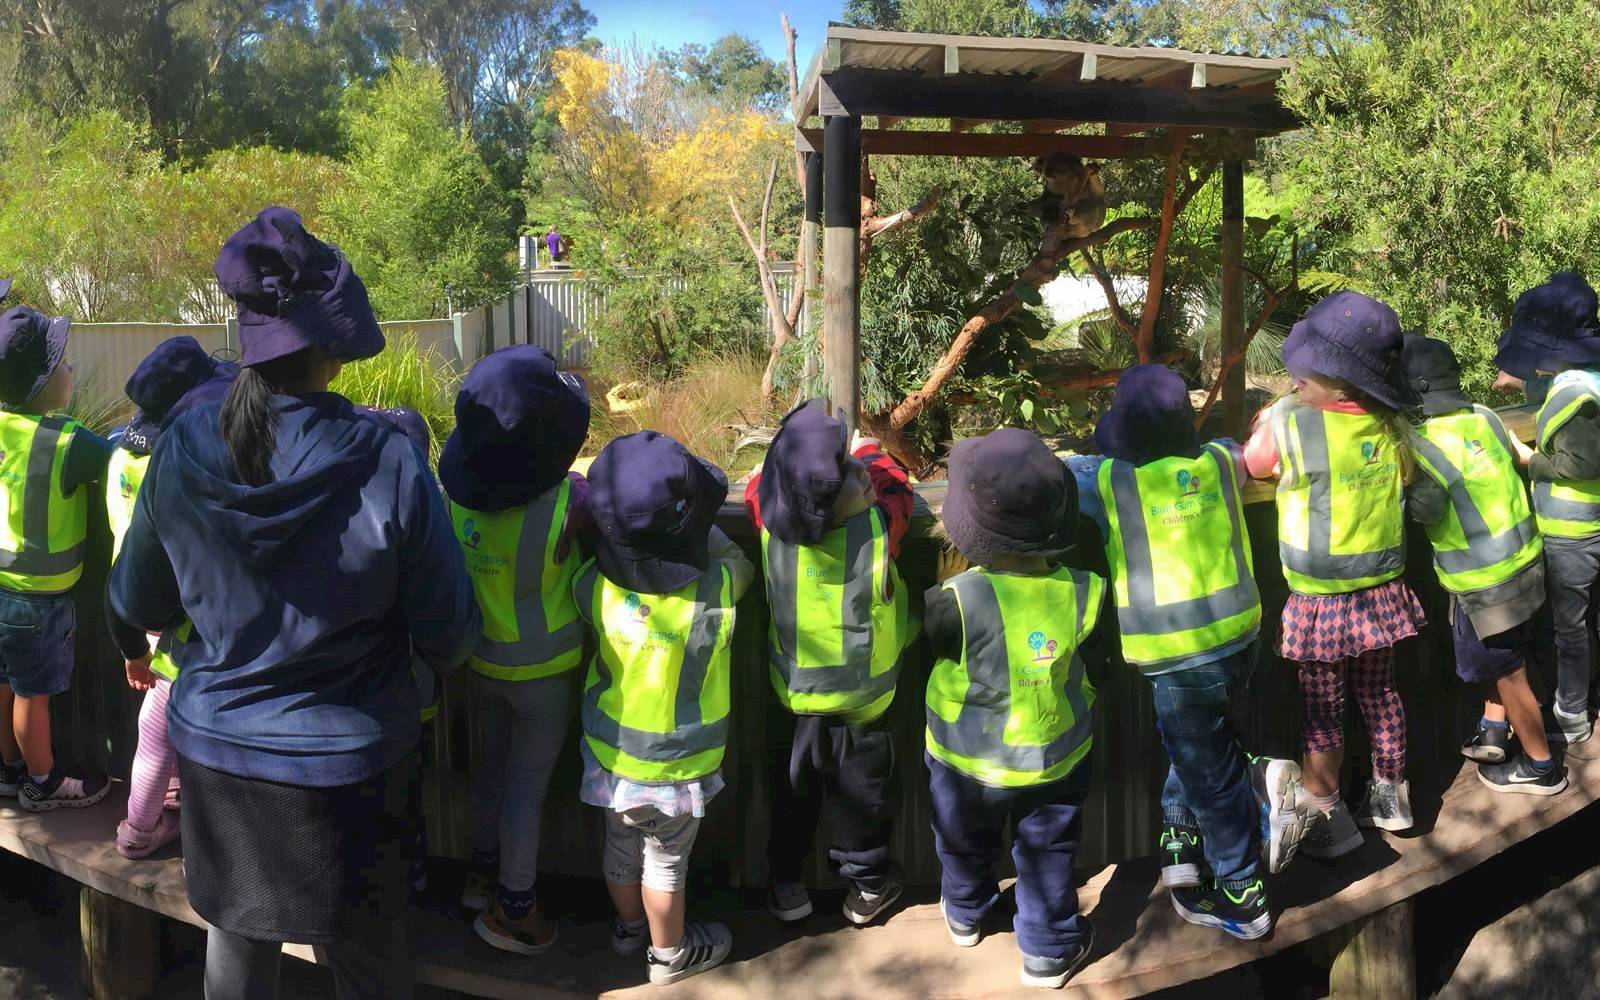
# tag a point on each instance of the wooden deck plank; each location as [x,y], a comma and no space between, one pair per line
[1142,944]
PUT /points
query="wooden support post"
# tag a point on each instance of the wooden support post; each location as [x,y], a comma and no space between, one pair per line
[809,226]
[1377,957]
[1232,245]
[841,272]
[121,956]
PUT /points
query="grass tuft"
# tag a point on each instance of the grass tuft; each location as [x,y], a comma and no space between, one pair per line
[406,375]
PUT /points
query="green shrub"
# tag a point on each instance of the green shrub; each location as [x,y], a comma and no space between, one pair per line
[406,375]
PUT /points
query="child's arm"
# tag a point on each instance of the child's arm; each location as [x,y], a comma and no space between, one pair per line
[726,551]
[752,500]
[86,460]
[1261,451]
[892,484]
[1573,452]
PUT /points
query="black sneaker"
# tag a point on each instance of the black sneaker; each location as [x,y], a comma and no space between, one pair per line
[1519,776]
[1181,856]
[1053,973]
[788,901]
[1242,913]
[11,778]
[862,908]
[1488,744]
[62,792]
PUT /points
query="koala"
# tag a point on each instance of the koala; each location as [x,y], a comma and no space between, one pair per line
[1073,203]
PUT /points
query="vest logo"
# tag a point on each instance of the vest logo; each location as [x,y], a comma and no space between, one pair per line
[123,486]
[470,536]
[1188,483]
[641,610]
[1044,648]
[1369,453]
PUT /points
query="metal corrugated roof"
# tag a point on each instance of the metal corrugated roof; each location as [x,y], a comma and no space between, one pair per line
[1054,60]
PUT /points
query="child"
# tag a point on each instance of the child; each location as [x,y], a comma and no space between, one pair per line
[1342,453]
[518,515]
[1186,598]
[1554,332]
[830,525]
[1008,702]
[1488,555]
[45,464]
[658,599]
[411,423]
[176,368]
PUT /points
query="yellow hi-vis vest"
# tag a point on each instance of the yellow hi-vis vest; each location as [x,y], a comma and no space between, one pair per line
[840,619]
[1569,508]
[655,701]
[1014,709]
[530,623]
[124,477]
[43,533]
[1487,535]
[1340,496]
[1179,556]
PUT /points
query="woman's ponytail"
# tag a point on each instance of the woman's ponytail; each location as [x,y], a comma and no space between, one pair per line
[250,426]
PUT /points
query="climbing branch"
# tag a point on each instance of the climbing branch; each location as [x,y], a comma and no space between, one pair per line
[1119,315]
[782,324]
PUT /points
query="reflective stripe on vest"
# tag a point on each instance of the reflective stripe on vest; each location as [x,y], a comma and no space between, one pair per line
[1014,710]
[839,619]
[1568,508]
[42,536]
[1488,535]
[655,701]
[1179,556]
[124,478]
[530,622]
[1339,498]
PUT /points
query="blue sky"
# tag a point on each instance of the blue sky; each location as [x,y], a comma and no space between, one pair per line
[672,23]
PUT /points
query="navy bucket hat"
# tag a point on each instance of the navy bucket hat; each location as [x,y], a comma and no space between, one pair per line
[803,473]
[519,425]
[405,420]
[294,292]
[1434,374]
[1353,338]
[1150,417]
[654,505]
[167,374]
[5,288]
[1009,495]
[31,348]
[1553,326]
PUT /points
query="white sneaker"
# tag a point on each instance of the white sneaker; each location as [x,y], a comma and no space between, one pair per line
[703,947]
[1570,729]
[61,792]
[1286,810]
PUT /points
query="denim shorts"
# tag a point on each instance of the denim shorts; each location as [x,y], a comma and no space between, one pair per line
[38,640]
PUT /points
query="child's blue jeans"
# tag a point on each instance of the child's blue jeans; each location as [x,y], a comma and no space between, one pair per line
[1208,784]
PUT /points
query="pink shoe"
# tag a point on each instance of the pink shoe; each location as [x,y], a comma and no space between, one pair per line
[171,801]
[133,842]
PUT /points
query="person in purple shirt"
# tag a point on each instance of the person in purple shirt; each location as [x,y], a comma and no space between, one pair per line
[552,240]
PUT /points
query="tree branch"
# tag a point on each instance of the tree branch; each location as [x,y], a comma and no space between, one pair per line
[1119,315]
[782,325]
[1144,338]
[873,228]
[794,96]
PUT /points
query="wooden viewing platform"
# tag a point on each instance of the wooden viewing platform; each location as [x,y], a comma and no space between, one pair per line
[1141,943]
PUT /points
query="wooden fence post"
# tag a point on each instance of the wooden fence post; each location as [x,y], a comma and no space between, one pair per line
[841,269]
[121,947]
[807,278]
[1377,957]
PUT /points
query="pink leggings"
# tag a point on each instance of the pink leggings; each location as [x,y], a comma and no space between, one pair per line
[1322,689]
[155,763]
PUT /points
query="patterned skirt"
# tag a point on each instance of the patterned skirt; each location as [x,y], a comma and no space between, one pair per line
[1332,627]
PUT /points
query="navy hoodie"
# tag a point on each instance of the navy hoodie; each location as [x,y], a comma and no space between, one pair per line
[308,595]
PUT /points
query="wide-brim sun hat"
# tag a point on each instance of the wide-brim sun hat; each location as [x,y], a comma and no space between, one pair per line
[1434,374]
[520,423]
[803,473]
[1355,339]
[165,376]
[31,348]
[1150,416]
[1008,494]
[654,504]
[294,292]
[1553,326]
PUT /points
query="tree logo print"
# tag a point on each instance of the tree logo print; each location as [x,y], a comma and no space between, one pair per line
[469,533]
[1188,482]
[1369,453]
[1044,648]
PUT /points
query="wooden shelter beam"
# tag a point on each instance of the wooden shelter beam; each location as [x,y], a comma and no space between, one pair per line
[908,94]
[1233,332]
[841,270]
[878,142]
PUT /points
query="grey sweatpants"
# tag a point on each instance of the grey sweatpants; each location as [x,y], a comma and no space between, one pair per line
[1572,576]
[524,725]
[373,966]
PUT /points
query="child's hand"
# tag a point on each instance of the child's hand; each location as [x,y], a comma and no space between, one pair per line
[139,676]
[951,563]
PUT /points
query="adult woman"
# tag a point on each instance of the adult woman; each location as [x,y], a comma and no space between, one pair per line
[309,546]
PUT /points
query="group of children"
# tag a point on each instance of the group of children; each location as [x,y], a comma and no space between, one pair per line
[614,596]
